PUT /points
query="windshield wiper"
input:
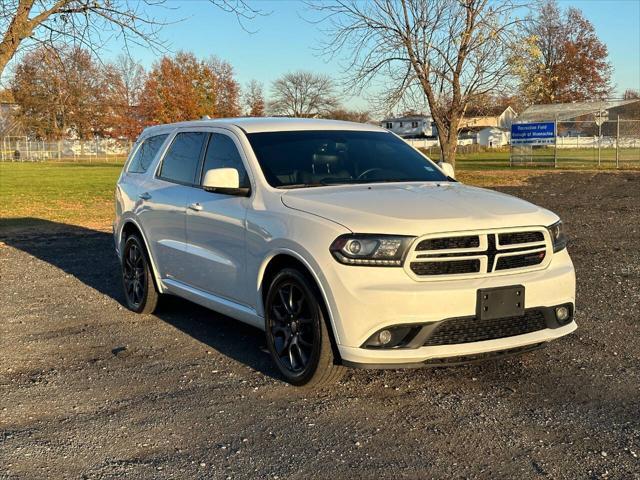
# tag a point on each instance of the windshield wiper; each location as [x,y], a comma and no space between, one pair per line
[386,180]
[293,186]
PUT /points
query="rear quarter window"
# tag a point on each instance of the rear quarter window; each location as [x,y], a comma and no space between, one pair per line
[145,153]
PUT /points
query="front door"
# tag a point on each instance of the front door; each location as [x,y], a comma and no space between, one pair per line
[216,228]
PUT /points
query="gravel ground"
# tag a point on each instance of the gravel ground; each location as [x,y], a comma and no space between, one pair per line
[90,390]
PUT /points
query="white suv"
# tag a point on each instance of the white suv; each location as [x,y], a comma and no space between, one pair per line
[339,240]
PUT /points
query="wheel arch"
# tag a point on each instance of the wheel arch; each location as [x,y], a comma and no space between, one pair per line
[129,227]
[289,258]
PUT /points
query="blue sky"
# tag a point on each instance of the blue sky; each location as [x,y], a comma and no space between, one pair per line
[283,41]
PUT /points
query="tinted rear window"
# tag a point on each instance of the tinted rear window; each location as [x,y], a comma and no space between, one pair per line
[145,154]
[326,157]
[180,163]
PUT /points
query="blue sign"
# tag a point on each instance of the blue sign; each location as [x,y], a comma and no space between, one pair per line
[543,133]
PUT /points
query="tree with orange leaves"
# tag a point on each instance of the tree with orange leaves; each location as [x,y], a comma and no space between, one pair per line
[184,88]
[565,60]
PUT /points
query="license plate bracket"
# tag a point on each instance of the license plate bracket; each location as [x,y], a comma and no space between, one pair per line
[500,302]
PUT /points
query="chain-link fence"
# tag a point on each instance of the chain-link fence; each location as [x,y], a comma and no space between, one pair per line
[586,143]
[23,149]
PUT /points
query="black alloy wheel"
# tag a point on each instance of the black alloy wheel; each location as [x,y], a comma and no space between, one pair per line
[296,331]
[139,288]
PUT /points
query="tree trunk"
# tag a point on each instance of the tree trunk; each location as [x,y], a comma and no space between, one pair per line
[19,29]
[448,138]
[448,151]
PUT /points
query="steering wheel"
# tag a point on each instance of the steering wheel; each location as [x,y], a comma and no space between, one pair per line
[367,172]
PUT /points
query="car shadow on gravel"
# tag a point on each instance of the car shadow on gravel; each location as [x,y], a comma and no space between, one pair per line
[89,256]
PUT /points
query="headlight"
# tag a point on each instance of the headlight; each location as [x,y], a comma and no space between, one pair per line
[371,250]
[558,238]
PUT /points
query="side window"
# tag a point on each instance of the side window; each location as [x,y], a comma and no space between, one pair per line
[145,154]
[222,153]
[180,163]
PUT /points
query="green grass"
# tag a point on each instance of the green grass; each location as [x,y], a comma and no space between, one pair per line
[544,158]
[82,193]
[72,193]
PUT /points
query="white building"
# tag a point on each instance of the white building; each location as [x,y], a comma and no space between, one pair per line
[410,126]
[491,137]
[489,117]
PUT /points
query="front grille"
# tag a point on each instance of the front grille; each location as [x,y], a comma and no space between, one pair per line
[446,268]
[520,261]
[471,329]
[515,238]
[481,253]
[446,243]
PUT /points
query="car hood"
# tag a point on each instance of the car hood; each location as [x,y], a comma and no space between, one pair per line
[417,208]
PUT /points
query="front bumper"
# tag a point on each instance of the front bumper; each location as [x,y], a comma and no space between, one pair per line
[364,300]
[406,357]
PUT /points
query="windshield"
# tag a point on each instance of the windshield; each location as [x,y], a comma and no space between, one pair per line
[331,157]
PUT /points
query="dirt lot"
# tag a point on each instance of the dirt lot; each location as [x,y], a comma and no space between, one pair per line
[89,390]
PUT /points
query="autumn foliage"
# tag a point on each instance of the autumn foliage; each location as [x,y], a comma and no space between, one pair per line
[60,93]
[556,56]
[184,88]
[68,93]
[563,60]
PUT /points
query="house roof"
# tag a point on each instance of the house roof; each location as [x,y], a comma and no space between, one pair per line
[567,111]
[407,118]
[479,128]
[488,111]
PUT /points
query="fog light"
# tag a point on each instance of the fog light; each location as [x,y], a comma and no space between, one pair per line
[562,314]
[384,337]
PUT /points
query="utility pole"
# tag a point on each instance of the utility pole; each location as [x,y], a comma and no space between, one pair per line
[599,140]
[555,143]
[618,143]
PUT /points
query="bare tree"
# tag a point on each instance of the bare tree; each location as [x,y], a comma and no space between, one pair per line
[124,83]
[448,51]
[303,94]
[132,77]
[254,99]
[86,23]
[359,116]
[630,94]
[227,89]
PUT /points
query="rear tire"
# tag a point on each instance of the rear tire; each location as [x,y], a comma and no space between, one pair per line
[140,292]
[296,331]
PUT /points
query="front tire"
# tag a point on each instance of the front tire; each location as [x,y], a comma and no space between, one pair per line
[140,291]
[296,331]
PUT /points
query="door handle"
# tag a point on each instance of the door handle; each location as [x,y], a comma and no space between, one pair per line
[144,196]
[195,206]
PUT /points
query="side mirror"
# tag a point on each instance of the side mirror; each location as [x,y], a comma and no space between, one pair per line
[447,168]
[223,180]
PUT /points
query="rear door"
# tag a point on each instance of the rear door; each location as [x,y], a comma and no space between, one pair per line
[216,226]
[165,198]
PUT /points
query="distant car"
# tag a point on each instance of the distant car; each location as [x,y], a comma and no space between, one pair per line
[343,243]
